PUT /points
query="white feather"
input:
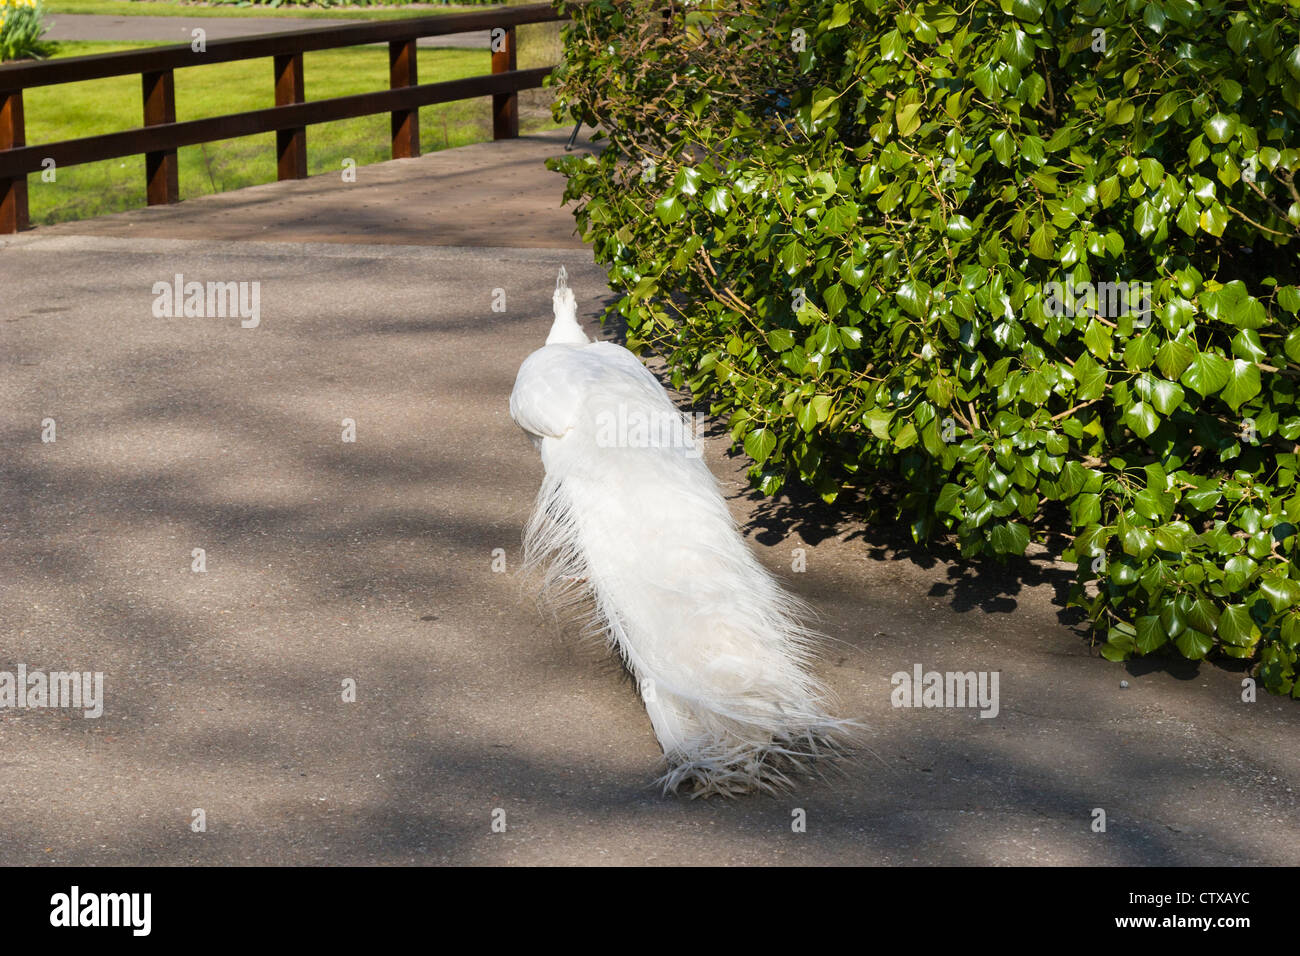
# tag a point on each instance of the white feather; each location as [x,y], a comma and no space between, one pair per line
[641,529]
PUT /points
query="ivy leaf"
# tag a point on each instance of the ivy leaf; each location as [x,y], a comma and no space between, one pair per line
[1281,593]
[806,417]
[908,119]
[823,100]
[1236,626]
[781,340]
[1166,396]
[1220,128]
[1091,378]
[1142,418]
[1085,510]
[759,444]
[1171,538]
[794,257]
[1018,48]
[960,228]
[1098,339]
[1203,499]
[1188,218]
[1247,345]
[669,210]
[1136,540]
[1214,219]
[836,299]
[949,495]
[1152,504]
[1031,11]
[839,219]
[852,273]
[1172,358]
[878,422]
[1041,243]
[1203,616]
[1140,351]
[892,47]
[984,82]
[1011,538]
[1206,373]
[1108,191]
[826,340]
[1243,383]
[1117,648]
[1151,172]
[1150,635]
[688,180]
[1193,645]
[821,406]
[1292,345]
[1002,146]
[1146,220]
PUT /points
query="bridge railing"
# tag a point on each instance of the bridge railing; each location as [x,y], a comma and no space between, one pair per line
[161,135]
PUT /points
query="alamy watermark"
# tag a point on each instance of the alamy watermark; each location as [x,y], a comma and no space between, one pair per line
[34,690]
[1109,300]
[210,300]
[923,688]
[133,911]
[625,427]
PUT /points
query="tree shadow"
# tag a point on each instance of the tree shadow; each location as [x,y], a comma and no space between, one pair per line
[373,561]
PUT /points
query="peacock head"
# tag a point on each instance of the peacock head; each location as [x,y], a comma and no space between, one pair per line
[565,329]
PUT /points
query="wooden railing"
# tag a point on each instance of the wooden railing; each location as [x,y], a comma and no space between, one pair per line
[161,135]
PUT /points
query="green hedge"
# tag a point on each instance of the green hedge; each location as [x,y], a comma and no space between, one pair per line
[890,241]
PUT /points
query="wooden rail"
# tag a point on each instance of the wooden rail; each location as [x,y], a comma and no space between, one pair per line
[161,135]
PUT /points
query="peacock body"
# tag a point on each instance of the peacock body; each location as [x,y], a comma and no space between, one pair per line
[630,521]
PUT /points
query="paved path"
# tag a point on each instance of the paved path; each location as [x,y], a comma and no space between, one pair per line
[478,195]
[328,561]
[87,26]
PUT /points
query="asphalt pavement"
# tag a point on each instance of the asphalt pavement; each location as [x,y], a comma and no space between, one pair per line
[105,28]
[329,563]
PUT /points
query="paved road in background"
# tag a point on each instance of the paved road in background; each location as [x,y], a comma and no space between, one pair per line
[372,561]
[76,26]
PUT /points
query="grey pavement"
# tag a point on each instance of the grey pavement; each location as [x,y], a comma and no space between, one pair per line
[329,561]
[106,28]
[488,194]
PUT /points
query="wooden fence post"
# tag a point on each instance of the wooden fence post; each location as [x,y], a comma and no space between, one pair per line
[405,124]
[290,144]
[13,191]
[161,175]
[505,106]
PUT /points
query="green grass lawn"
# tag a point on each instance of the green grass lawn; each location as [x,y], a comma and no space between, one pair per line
[102,106]
[168,8]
